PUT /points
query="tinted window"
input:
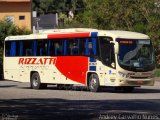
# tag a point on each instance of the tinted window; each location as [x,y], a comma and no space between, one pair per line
[7,48]
[107,51]
[58,47]
[21,17]
[53,47]
[27,48]
[41,48]
[12,48]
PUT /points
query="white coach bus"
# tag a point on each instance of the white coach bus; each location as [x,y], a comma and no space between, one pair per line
[82,56]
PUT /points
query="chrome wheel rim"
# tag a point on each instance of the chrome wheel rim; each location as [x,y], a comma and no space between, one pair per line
[35,81]
[93,83]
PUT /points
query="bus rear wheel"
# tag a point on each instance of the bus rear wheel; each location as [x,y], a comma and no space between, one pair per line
[93,84]
[36,83]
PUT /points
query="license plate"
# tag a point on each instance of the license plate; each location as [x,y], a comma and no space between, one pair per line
[140,82]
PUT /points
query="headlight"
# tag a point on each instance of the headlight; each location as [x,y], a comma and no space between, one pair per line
[123,74]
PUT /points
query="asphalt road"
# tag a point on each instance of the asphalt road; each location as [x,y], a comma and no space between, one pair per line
[18,101]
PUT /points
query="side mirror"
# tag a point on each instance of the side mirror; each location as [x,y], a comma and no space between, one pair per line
[116,46]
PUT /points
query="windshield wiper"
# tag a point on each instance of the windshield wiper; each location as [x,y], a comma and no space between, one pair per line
[128,56]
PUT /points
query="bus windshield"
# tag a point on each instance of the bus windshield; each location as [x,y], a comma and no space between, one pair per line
[136,55]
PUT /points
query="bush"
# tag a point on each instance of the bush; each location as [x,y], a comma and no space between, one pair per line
[7,29]
[157,73]
[1,69]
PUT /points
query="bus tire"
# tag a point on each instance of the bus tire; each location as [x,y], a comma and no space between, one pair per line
[36,83]
[93,83]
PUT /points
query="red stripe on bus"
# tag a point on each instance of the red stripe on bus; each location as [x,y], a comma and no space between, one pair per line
[69,35]
[74,68]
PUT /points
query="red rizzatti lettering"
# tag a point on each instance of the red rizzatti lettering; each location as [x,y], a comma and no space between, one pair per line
[33,60]
[45,60]
[40,61]
[21,60]
[29,60]
[52,61]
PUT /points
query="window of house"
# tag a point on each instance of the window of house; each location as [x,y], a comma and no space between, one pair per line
[21,17]
[9,19]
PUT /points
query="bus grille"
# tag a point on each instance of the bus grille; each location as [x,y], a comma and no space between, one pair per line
[139,77]
[135,82]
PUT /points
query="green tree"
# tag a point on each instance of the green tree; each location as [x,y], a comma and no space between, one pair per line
[119,14]
[7,29]
[49,6]
[133,15]
[60,6]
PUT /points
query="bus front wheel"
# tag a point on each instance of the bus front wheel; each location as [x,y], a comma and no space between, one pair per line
[93,84]
[36,83]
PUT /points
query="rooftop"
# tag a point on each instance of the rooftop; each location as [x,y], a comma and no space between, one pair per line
[15,0]
[111,33]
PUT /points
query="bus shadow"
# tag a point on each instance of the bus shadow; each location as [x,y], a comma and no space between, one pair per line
[146,90]
[102,90]
[7,86]
[135,91]
[64,109]
[54,87]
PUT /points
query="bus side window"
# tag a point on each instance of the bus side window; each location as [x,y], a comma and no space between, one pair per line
[27,48]
[42,47]
[13,49]
[17,48]
[51,49]
[82,47]
[7,48]
[91,46]
[74,47]
[58,48]
[8,52]
[34,47]
[42,51]
[28,52]
[107,51]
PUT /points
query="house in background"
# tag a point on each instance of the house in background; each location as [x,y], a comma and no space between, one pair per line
[17,11]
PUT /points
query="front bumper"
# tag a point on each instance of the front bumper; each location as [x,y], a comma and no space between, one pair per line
[136,82]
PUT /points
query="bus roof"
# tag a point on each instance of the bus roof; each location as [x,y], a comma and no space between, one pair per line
[79,32]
